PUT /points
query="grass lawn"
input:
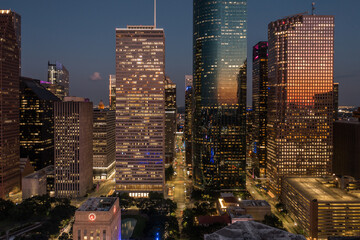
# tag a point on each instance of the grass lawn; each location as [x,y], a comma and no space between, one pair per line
[139,227]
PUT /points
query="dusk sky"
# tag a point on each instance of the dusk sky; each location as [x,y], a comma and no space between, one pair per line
[81,35]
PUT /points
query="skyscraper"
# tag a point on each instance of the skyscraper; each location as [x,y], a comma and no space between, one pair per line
[104,143]
[336,101]
[188,118]
[170,119]
[58,75]
[219,126]
[140,110]
[36,123]
[260,96]
[300,108]
[112,92]
[9,101]
[73,136]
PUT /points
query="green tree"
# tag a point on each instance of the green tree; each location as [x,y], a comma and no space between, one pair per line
[6,207]
[169,173]
[273,221]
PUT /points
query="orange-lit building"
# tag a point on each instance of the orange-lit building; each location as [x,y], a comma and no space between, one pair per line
[300,107]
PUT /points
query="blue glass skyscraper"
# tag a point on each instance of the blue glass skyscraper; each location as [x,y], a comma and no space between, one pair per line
[219,48]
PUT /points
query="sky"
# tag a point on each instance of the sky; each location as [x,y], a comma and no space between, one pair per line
[81,35]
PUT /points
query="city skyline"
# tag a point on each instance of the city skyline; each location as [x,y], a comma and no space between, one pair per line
[85,44]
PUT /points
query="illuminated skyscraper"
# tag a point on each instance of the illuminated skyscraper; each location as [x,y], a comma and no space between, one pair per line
[260,96]
[58,75]
[36,123]
[336,101]
[300,108]
[9,101]
[188,118]
[219,126]
[73,134]
[140,110]
[170,119]
[112,91]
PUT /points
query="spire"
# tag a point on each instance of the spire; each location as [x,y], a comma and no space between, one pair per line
[154,13]
[313,8]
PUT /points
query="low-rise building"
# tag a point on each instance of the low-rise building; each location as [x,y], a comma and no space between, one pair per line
[321,209]
[38,183]
[98,218]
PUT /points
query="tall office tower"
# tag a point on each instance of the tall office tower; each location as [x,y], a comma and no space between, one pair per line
[73,136]
[300,103]
[219,126]
[188,119]
[112,92]
[140,110]
[336,101]
[259,102]
[58,75]
[103,143]
[170,120]
[9,102]
[36,123]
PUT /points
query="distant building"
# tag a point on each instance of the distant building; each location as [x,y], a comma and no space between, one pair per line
[38,183]
[112,92]
[103,143]
[10,46]
[73,136]
[170,120]
[346,159]
[98,218]
[300,102]
[140,110]
[320,210]
[36,123]
[259,105]
[336,101]
[58,77]
[251,230]
[188,119]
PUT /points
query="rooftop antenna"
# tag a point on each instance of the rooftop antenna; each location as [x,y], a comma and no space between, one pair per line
[312,8]
[154,13]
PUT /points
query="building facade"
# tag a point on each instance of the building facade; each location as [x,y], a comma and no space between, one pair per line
[259,104]
[73,134]
[9,101]
[112,92]
[219,65]
[300,103]
[58,77]
[170,120]
[104,143]
[36,123]
[320,209]
[140,110]
[98,218]
[188,119]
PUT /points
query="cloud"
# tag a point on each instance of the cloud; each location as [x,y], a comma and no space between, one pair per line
[95,76]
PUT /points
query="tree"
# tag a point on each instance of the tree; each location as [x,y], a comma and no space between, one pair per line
[169,173]
[273,221]
[6,207]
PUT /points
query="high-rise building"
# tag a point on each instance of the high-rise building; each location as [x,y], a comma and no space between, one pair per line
[140,110]
[259,104]
[170,119]
[73,136]
[36,123]
[300,103]
[112,91]
[9,101]
[104,143]
[336,101]
[188,119]
[219,126]
[58,76]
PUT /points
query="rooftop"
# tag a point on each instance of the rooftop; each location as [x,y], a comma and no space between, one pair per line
[98,204]
[315,188]
[254,203]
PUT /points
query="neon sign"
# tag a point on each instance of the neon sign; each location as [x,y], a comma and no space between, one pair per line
[92,217]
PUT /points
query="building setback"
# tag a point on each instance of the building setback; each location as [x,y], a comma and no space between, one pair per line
[98,218]
[140,110]
[73,134]
[170,120]
[36,123]
[219,65]
[9,101]
[104,143]
[300,103]
[320,210]
[188,119]
[259,102]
